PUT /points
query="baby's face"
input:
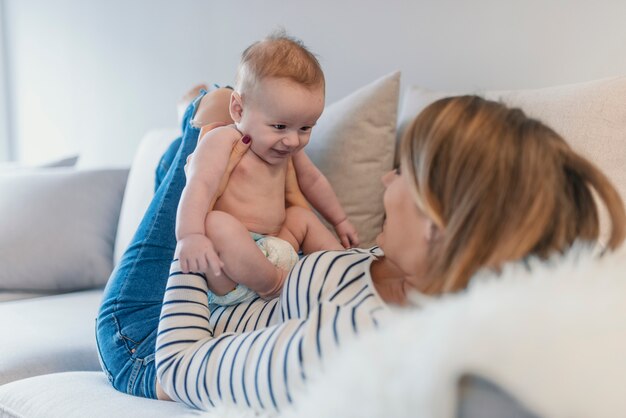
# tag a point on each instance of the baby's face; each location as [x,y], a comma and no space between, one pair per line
[279,115]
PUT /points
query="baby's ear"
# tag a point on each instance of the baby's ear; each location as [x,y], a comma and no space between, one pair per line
[236,107]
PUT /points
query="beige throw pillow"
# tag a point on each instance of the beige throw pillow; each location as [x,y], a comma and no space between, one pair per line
[591,116]
[353,144]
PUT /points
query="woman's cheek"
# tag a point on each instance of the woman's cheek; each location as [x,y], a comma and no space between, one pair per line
[379,240]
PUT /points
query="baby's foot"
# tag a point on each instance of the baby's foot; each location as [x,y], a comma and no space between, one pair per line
[214,107]
[184,101]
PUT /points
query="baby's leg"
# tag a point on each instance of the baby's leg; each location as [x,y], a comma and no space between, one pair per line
[303,229]
[243,262]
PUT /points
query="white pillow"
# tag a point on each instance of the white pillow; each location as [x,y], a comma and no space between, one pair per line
[58,226]
[591,116]
[353,144]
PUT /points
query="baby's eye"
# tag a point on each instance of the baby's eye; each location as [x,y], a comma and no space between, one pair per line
[279,127]
[305,128]
[397,170]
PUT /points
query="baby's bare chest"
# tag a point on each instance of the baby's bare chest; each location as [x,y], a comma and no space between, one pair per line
[255,194]
[258,178]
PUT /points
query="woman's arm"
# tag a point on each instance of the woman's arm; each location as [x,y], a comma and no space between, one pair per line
[259,369]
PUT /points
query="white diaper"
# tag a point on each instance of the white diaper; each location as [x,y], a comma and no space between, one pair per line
[278,251]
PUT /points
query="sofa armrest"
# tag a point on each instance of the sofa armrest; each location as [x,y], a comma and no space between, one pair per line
[140,186]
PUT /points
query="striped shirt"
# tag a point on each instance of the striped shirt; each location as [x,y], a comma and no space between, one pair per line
[258,353]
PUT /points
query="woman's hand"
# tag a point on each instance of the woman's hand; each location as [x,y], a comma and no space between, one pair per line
[197,254]
[347,234]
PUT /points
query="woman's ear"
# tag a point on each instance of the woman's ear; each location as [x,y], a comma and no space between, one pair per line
[433,233]
[236,107]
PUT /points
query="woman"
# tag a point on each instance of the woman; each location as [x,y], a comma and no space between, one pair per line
[479,185]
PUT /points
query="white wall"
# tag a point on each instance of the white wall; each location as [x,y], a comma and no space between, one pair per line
[5,127]
[93,76]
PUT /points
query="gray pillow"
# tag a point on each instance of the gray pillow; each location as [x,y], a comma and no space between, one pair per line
[12,166]
[62,162]
[58,227]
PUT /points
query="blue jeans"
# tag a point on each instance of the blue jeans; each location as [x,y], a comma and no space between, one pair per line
[128,319]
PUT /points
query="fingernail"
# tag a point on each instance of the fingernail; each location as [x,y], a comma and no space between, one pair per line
[246,139]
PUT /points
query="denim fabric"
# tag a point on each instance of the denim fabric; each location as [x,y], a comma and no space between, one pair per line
[166,162]
[127,322]
[170,153]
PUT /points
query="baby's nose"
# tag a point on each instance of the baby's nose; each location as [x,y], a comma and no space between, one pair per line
[291,139]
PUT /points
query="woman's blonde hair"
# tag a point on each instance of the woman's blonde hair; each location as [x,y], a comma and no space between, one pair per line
[501,186]
[281,56]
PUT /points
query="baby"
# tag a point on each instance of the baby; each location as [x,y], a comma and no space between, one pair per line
[278,98]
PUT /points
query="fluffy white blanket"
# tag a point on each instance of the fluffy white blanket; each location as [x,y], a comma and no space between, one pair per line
[552,334]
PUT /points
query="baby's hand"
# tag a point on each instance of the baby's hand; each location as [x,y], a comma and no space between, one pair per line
[196,254]
[347,234]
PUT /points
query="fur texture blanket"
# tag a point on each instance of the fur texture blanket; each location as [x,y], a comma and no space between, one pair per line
[552,334]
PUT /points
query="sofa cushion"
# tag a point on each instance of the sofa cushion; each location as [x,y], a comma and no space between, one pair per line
[48,334]
[591,116]
[353,144]
[58,227]
[88,394]
[80,395]
[7,295]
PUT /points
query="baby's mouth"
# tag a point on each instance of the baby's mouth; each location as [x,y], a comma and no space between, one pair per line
[282,153]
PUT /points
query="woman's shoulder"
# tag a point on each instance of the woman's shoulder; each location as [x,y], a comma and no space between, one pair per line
[338,278]
[330,256]
[322,263]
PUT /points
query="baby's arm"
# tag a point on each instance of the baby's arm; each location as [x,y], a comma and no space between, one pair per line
[318,191]
[207,166]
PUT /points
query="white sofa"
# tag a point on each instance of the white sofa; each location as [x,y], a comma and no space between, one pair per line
[68,227]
